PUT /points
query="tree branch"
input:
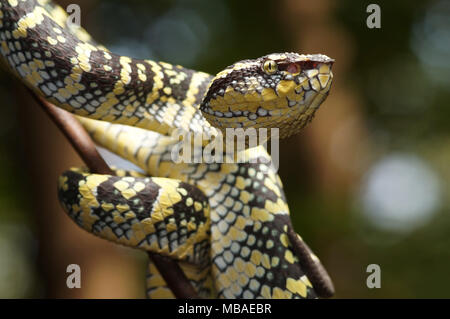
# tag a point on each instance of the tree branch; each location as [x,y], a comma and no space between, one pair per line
[81,141]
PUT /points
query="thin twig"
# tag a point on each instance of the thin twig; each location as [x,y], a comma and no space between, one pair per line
[81,141]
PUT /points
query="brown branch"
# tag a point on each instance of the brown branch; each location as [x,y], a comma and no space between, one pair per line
[81,141]
[323,285]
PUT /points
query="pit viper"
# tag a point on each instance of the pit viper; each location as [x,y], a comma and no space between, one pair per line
[226,223]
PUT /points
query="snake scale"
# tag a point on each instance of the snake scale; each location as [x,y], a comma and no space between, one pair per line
[226,224]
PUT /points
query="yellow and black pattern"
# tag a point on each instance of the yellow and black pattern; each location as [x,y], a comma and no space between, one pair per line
[251,250]
[90,81]
[156,214]
[227,224]
[250,240]
[275,91]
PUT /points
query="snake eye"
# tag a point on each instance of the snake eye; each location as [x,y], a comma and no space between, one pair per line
[270,67]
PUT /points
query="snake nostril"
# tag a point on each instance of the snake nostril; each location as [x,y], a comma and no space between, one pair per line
[293,68]
[308,65]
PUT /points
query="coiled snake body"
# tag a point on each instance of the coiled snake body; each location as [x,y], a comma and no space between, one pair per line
[227,224]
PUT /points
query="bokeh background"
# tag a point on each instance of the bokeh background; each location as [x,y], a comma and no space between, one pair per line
[367,182]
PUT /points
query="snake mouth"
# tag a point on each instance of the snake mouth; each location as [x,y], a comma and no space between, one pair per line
[311,84]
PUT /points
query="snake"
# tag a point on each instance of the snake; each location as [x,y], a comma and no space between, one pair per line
[226,224]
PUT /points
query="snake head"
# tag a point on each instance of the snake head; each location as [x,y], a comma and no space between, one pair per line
[281,90]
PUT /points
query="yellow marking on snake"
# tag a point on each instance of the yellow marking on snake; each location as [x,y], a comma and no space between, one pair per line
[226,224]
